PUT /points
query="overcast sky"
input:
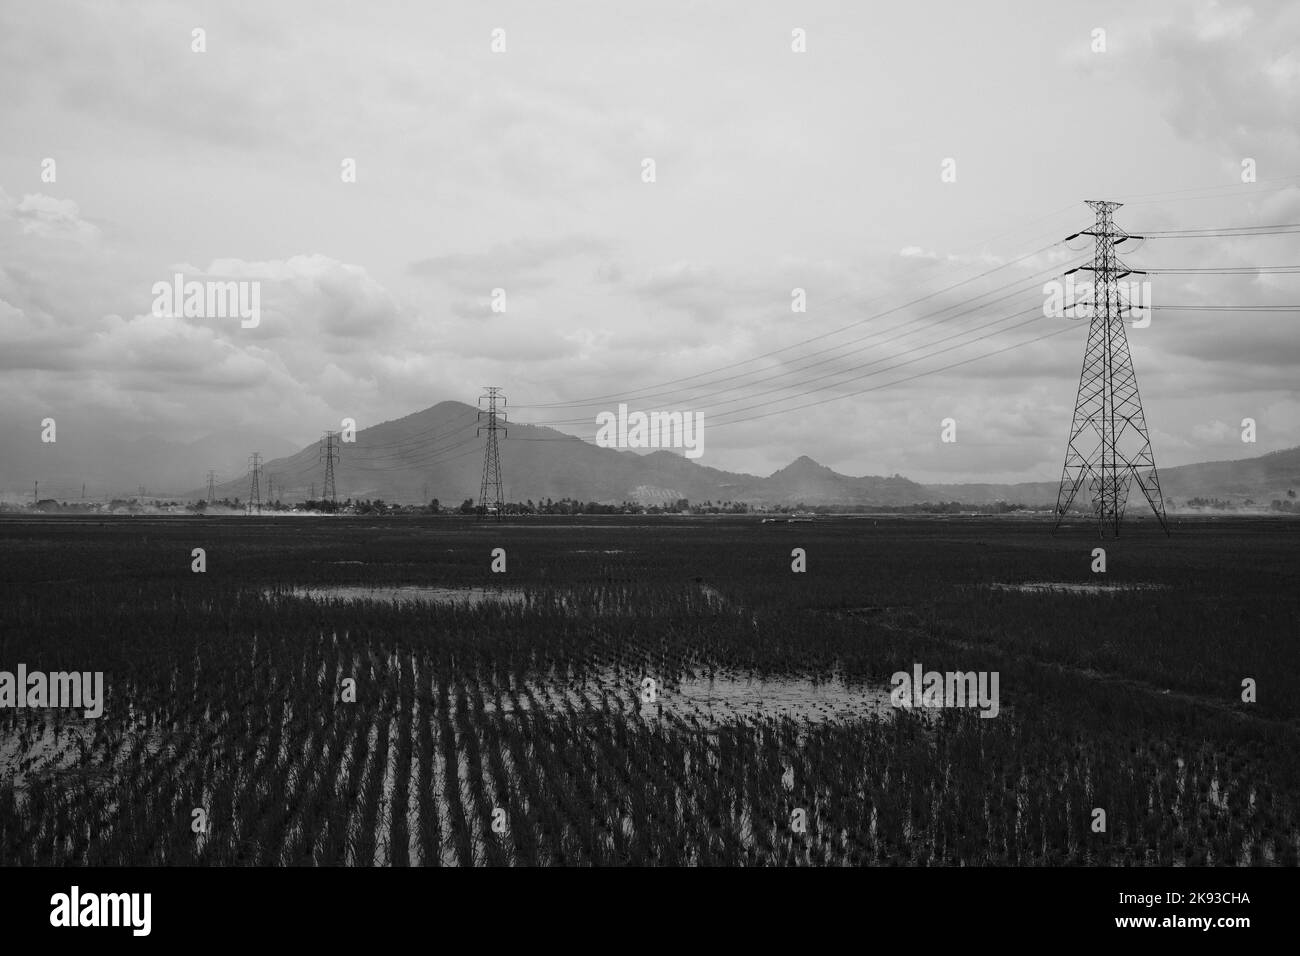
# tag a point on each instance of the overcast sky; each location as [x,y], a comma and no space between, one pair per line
[523,170]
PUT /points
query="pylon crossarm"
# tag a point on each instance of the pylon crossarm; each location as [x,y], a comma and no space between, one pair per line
[1108,404]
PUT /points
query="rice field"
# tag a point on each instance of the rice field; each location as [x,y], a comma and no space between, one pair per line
[648,692]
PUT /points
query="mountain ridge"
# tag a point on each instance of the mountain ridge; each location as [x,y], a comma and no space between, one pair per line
[436,453]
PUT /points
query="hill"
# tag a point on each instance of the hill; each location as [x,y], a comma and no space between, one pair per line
[437,453]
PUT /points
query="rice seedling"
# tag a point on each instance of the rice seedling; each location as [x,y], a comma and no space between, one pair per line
[224,694]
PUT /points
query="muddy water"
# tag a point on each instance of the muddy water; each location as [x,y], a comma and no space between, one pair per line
[476,596]
[37,749]
[1044,587]
[710,701]
[408,594]
[728,698]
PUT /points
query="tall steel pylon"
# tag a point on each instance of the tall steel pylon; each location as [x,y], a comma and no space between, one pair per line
[329,453]
[254,486]
[491,497]
[1109,447]
[212,479]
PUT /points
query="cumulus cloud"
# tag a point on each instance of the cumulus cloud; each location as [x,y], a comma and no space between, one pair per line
[49,218]
[317,295]
[1224,73]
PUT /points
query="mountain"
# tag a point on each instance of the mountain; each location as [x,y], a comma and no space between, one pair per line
[436,453]
[1261,480]
[804,480]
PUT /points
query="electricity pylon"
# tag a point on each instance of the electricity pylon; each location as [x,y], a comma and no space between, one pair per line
[212,478]
[490,497]
[254,488]
[329,453]
[1109,447]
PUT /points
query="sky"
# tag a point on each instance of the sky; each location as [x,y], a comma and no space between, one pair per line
[503,146]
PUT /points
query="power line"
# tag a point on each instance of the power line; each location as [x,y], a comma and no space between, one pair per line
[417,437]
[627,396]
[1228,270]
[695,400]
[875,388]
[1229,190]
[1206,231]
[415,445]
[1201,232]
[1220,232]
[414,449]
[1035,312]
[934,371]
[1225,308]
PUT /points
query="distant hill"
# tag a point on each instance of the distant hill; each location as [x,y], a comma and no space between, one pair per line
[435,453]
[1259,479]
[1263,478]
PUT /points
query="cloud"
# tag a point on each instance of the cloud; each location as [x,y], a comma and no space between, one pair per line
[308,295]
[1217,74]
[51,218]
[521,163]
[517,345]
[1211,432]
[151,353]
[508,265]
[318,314]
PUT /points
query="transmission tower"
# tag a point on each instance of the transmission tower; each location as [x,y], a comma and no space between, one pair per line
[212,479]
[491,498]
[254,488]
[1109,447]
[329,453]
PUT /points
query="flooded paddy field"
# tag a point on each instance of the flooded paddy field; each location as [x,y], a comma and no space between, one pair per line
[371,692]
[1073,587]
